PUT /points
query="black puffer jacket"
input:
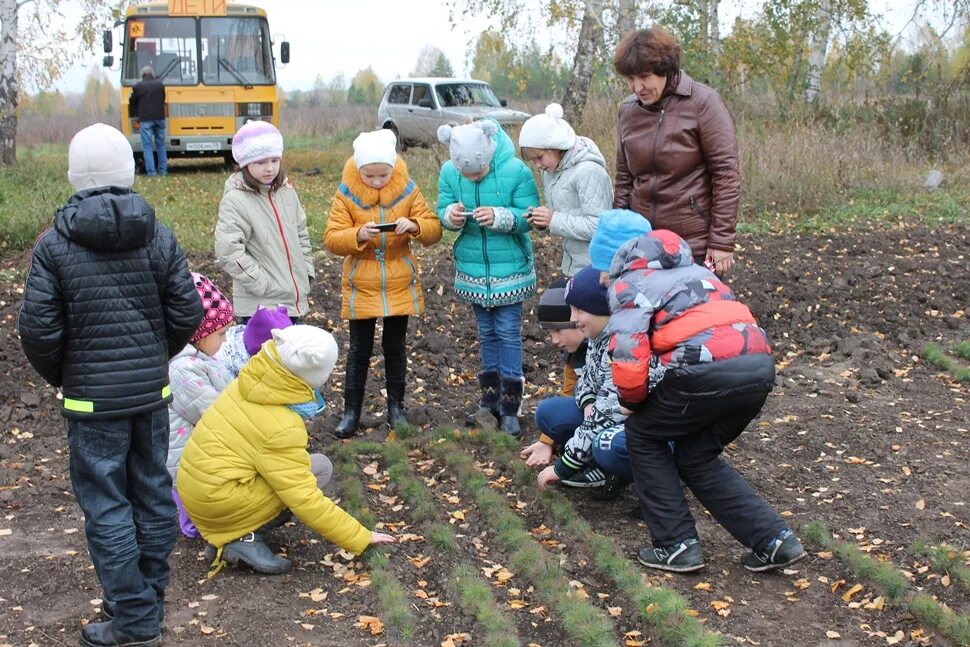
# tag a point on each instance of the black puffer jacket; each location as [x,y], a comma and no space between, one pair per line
[108,301]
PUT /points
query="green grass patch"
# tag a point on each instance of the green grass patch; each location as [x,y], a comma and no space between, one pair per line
[874,207]
[584,624]
[962,349]
[929,611]
[934,355]
[945,558]
[474,595]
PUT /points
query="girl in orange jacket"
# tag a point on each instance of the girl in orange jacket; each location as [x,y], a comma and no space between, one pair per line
[376,213]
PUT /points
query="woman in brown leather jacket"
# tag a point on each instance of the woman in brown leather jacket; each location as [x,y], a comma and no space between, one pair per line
[676,151]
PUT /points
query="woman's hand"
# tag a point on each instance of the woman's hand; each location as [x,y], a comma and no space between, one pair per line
[540,217]
[723,261]
[381,538]
[456,221]
[368,231]
[546,477]
[405,226]
[537,454]
[485,216]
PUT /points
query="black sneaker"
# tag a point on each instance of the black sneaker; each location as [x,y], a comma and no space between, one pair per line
[611,489]
[782,551]
[683,557]
[588,477]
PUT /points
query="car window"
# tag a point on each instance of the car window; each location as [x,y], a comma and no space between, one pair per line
[466,94]
[399,94]
[420,92]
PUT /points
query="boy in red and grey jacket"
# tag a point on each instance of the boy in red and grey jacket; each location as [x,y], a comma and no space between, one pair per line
[691,365]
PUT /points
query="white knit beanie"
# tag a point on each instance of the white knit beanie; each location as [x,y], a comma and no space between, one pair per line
[471,146]
[548,130]
[375,147]
[307,351]
[100,155]
[255,141]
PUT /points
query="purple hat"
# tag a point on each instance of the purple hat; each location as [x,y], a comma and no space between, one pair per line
[255,141]
[260,327]
[585,292]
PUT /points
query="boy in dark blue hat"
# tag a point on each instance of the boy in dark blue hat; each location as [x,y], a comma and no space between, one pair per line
[589,425]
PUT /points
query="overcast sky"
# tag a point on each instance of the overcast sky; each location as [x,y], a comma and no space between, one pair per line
[328,37]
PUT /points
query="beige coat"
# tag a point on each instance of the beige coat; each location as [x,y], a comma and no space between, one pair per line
[262,242]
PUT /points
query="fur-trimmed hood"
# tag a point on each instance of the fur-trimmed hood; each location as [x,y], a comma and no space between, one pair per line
[352,185]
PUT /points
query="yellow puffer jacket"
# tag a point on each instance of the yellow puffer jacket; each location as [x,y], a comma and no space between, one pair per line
[380,277]
[246,461]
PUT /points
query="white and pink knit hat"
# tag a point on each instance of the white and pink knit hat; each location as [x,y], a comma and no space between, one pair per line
[255,141]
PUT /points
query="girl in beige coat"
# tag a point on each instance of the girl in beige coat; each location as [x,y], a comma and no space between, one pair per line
[261,237]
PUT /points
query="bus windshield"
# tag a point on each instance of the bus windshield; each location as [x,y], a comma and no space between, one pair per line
[236,51]
[232,50]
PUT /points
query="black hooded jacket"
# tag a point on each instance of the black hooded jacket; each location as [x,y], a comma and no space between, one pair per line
[108,301]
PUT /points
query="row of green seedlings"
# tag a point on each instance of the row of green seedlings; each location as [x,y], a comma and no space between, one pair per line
[472,592]
[945,558]
[891,582]
[661,607]
[398,617]
[939,358]
[583,623]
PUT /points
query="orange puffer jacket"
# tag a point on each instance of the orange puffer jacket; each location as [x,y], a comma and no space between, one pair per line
[380,277]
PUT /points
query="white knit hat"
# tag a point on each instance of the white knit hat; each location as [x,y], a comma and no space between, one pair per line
[307,351]
[471,146]
[100,155]
[375,147]
[548,130]
[255,141]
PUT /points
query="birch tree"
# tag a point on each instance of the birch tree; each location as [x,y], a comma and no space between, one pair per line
[818,45]
[37,43]
[587,51]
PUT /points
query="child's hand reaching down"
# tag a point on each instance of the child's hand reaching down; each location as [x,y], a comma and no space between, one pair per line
[381,538]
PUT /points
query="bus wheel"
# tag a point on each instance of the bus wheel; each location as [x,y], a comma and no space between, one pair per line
[228,160]
[139,163]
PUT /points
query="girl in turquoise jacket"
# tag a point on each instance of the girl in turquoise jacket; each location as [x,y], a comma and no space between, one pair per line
[484,191]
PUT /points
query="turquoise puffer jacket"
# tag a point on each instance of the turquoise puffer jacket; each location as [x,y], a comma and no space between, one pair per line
[494,266]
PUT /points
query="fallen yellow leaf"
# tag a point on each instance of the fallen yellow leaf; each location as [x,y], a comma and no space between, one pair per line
[851,592]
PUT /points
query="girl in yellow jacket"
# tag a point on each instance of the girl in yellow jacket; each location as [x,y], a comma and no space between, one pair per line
[246,468]
[377,211]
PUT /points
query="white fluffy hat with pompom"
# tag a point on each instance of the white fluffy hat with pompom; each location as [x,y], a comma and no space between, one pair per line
[548,130]
[470,146]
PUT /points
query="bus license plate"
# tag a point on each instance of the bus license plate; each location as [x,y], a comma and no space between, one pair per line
[201,146]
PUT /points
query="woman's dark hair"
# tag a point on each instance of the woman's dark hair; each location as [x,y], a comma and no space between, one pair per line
[647,51]
[256,185]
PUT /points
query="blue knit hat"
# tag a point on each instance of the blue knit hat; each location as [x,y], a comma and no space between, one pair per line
[615,227]
[585,292]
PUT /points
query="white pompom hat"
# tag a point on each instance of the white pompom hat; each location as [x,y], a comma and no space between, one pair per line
[100,155]
[471,146]
[307,351]
[548,130]
[375,147]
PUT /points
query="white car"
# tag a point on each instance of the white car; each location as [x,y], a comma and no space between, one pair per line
[414,108]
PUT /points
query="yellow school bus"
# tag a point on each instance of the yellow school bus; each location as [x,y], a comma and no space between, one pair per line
[217,62]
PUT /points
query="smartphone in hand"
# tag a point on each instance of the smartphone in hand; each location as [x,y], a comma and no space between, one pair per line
[386,226]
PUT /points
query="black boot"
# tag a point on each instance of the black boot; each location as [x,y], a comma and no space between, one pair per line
[252,551]
[488,405]
[396,413]
[353,403]
[105,634]
[511,401]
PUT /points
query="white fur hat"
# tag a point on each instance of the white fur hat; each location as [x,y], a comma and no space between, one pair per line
[471,146]
[100,155]
[548,130]
[375,147]
[307,351]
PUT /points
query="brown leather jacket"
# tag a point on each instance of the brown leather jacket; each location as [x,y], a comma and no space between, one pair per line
[677,164]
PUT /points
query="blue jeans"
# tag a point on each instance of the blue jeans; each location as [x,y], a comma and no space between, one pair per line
[500,338]
[154,132]
[124,489]
[559,417]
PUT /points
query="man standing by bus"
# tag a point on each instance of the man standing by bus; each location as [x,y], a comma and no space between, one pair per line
[147,103]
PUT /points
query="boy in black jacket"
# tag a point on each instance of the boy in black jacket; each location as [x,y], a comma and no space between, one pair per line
[108,301]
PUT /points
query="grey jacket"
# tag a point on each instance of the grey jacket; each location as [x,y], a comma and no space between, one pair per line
[577,192]
[262,242]
[196,380]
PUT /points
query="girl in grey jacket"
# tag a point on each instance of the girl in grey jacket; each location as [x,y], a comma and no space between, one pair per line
[261,237]
[576,184]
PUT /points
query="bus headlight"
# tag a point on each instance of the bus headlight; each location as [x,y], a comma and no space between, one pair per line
[254,110]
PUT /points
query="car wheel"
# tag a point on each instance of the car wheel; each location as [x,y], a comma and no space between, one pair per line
[401,146]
